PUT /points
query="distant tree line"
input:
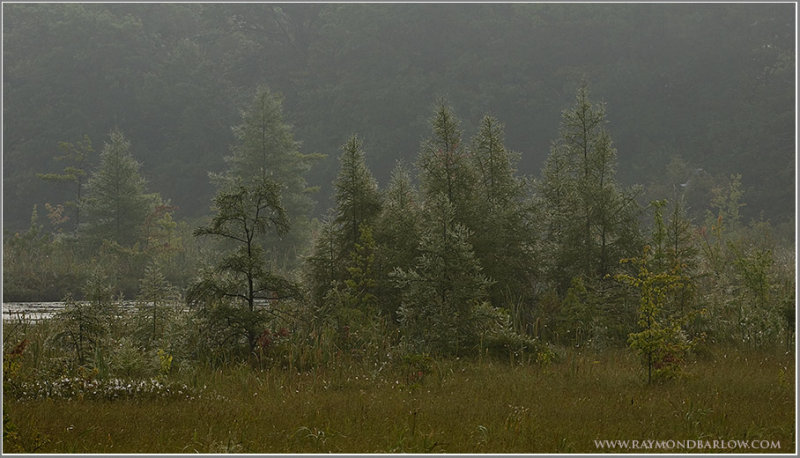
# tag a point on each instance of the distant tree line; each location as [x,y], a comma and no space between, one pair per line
[694,87]
[460,253]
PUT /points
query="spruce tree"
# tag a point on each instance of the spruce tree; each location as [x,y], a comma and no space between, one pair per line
[116,202]
[77,154]
[358,204]
[325,266]
[358,201]
[231,295]
[681,253]
[154,290]
[442,289]
[265,148]
[591,220]
[556,195]
[503,236]
[444,165]
[397,234]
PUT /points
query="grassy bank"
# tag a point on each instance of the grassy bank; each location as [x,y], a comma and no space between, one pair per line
[456,406]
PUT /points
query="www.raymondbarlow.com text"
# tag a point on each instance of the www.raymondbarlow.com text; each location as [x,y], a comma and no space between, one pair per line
[689,444]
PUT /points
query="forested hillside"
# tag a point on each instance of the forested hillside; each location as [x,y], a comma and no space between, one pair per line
[692,87]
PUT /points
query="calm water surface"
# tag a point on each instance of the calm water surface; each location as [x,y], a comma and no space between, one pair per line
[37,310]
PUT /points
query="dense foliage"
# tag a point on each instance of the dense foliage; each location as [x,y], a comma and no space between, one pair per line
[479,259]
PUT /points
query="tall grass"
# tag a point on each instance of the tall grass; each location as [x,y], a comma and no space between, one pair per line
[479,406]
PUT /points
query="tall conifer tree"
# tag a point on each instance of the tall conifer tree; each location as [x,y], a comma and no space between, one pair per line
[591,219]
[116,203]
[358,201]
[265,148]
[444,165]
[397,233]
[444,286]
[503,237]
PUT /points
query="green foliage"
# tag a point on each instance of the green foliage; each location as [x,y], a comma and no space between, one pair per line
[498,338]
[442,288]
[397,233]
[128,360]
[324,266]
[358,203]
[503,230]
[165,362]
[116,204]
[416,366]
[744,289]
[660,341]
[154,293]
[681,254]
[444,165]
[578,313]
[726,202]
[477,262]
[40,266]
[361,283]
[350,307]
[229,292]
[83,326]
[357,199]
[590,223]
[77,154]
[265,150]
[594,313]
[760,312]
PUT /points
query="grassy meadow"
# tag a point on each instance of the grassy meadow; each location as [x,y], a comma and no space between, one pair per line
[480,405]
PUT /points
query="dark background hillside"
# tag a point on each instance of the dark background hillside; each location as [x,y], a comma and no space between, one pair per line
[712,84]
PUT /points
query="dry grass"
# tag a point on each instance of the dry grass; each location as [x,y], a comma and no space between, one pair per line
[460,406]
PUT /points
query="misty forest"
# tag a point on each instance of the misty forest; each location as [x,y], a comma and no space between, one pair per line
[405,228]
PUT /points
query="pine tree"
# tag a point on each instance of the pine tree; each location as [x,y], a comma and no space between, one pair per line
[726,201]
[357,199]
[592,220]
[503,237]
[325,266]
[681,249]
[154,289]
[77,154]
[351,305]
[265,148]
[444,165]
[397,234]
[442,289]
[360,284]
[556,197]
[116,203]
[681,253]
[494,164]
[242,279]
[358,204]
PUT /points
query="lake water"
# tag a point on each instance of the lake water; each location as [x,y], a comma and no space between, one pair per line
[30,310]
[37,310]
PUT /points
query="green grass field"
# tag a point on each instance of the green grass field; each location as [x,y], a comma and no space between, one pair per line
[481,406]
